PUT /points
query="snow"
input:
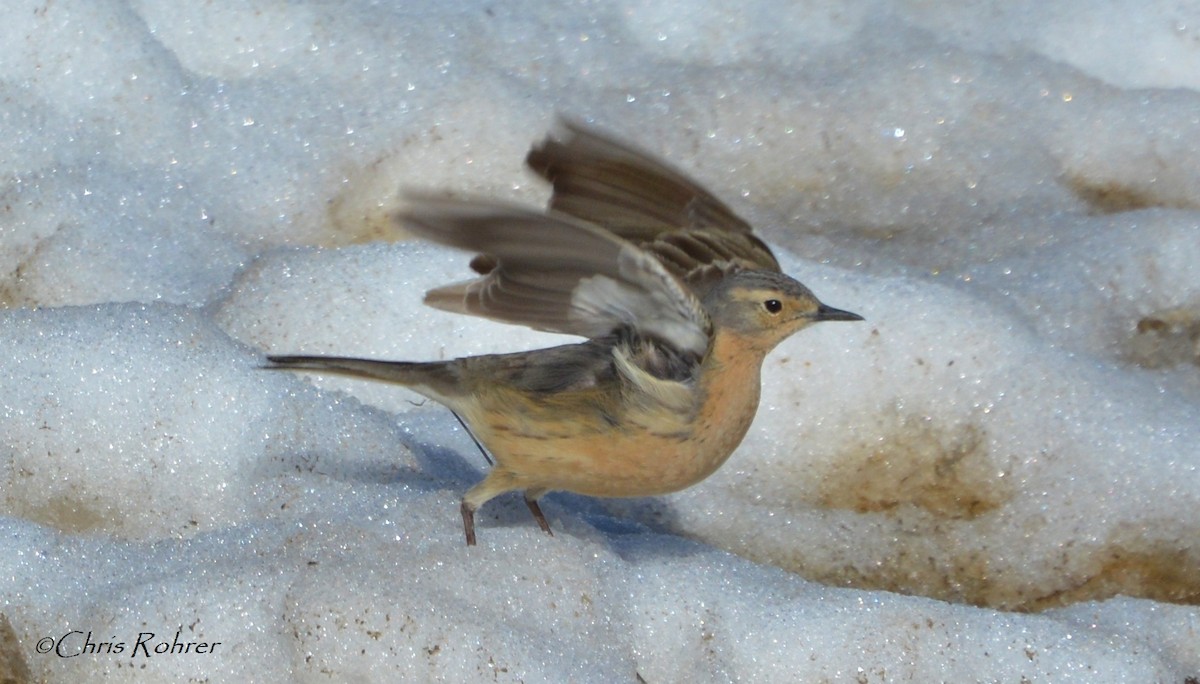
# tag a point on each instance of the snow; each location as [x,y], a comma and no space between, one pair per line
[994,478]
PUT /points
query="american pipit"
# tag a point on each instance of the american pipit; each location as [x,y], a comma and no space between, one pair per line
[679,302]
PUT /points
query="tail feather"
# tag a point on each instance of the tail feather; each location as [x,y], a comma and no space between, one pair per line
[436,379]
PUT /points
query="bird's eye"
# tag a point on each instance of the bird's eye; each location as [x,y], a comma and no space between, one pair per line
[773,306]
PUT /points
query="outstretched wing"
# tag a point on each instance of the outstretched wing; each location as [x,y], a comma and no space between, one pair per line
[554,273]
[637,197]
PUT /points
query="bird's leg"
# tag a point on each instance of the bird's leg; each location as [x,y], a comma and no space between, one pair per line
[497,482]
[468,515]
[531,500]
[536,510]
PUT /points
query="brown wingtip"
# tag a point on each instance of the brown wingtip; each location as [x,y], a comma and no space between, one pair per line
[543,157]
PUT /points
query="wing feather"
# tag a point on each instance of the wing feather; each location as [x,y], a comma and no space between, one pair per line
[644,200]
[555,273]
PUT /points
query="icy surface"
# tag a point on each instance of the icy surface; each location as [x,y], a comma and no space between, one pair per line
[994,478]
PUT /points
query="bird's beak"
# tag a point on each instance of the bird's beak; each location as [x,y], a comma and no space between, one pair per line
[828,313]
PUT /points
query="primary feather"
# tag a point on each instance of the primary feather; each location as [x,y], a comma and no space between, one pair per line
[555,273]
[641,199]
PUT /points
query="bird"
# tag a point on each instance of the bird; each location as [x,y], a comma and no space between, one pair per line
[677,300]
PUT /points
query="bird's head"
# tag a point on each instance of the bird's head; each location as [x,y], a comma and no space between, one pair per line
[766,307]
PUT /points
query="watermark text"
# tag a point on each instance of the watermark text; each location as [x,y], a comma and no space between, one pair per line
[77,643]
